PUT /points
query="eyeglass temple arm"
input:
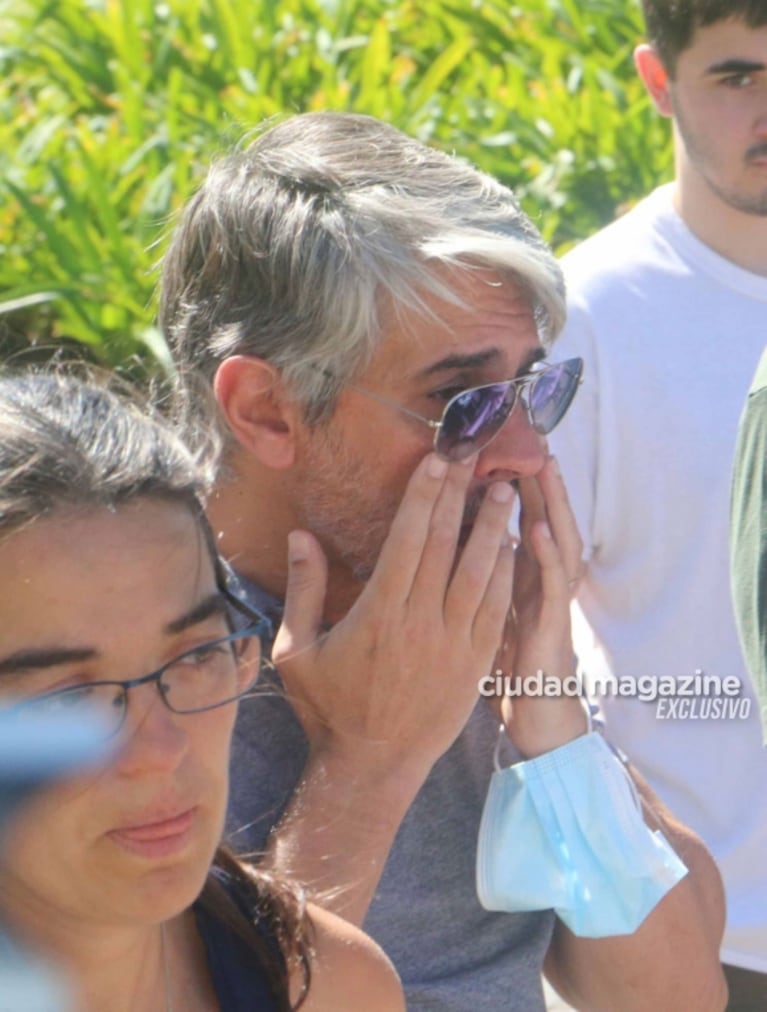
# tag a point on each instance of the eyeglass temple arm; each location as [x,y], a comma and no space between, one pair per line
[385,400]
[226,576]
[392,404]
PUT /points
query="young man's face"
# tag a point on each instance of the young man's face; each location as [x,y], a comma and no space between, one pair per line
[354,469]
[719,103]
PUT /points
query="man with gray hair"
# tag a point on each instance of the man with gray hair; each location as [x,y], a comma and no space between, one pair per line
[356,299]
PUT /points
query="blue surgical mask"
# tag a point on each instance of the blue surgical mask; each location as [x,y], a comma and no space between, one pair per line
[565,831]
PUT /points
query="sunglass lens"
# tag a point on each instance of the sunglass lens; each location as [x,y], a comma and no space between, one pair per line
[472,419]
[552,394]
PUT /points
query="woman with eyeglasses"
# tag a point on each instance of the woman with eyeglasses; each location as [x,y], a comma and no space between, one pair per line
[112,599]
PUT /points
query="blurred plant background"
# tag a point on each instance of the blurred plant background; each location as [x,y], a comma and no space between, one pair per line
[110,111]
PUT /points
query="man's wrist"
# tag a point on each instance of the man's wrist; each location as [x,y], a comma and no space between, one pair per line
[541,725]
[368,770]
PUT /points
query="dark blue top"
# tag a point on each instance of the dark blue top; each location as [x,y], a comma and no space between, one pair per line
[239,979]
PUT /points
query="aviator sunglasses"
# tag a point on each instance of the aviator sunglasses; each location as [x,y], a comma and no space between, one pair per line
[474,417]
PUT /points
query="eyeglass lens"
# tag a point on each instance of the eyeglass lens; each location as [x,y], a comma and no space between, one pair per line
[552,393]
[475,416]
[212,674]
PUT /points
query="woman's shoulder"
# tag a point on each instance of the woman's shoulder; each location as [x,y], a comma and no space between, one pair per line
[349,970]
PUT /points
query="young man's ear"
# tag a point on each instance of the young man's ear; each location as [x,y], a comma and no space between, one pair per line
[655,78]
[255,404]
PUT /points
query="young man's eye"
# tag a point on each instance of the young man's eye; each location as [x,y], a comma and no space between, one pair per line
[737,81]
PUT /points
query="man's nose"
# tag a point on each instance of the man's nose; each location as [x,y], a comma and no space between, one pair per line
[760,124]
[518,451]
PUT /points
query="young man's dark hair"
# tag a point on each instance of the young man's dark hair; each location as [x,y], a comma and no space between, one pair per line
[671,24]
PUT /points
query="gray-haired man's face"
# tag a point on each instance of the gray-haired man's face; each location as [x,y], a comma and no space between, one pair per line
[355,468]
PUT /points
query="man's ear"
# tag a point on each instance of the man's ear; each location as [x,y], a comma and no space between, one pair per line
[252,398]
[655,78]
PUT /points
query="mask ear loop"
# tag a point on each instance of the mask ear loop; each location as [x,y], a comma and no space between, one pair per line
[500,738]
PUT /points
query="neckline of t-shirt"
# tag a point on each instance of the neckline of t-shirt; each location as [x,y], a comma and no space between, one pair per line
[696,252]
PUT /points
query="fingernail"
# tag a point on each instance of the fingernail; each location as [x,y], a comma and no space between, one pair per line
[298,547]
[546,531]
[470,461]
[436,466]
[501,491]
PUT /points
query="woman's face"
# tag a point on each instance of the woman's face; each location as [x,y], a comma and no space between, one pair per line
[111,596]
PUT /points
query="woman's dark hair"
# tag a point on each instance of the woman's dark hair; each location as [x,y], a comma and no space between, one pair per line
[71,442]
[273,902]
[76,443]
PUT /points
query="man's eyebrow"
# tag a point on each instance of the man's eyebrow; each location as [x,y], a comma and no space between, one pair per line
[481,358]
[34,660]
[214,604]
[457,361]
[734,66]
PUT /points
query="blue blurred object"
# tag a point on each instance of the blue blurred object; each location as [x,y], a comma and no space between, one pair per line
[35,751]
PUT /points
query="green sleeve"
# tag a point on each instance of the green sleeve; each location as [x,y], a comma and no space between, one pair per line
[748,535]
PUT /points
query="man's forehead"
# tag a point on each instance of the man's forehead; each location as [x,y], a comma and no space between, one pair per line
[730,40]
[489,322]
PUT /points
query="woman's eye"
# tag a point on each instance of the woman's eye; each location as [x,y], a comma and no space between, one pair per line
[58,702]
[204,654]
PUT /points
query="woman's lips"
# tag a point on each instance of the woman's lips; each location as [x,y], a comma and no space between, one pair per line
[157,839]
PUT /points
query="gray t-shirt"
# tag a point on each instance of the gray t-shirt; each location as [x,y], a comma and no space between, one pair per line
[452,955]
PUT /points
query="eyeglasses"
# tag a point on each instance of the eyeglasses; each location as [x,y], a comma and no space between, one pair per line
[474,417]
[207,676]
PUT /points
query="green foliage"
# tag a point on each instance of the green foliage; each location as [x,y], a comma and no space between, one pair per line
[110,111]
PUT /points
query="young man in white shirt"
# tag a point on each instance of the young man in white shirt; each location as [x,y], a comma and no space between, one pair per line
[668,308]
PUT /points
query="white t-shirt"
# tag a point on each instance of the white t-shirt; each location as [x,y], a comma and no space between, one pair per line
[671,334]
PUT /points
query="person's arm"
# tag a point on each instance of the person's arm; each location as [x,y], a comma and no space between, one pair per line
[748,536]
[349,971]
[672,961]
[386,692]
